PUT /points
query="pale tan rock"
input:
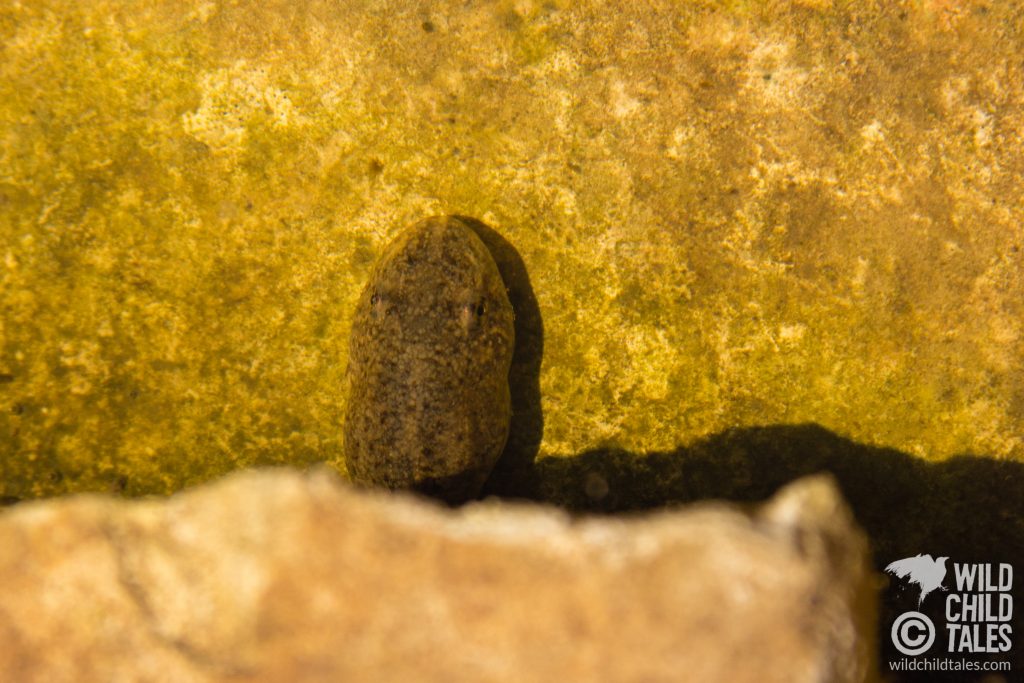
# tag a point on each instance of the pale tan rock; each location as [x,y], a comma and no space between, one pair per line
[278,576]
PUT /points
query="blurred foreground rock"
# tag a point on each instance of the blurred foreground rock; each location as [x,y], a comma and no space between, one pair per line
[278,576]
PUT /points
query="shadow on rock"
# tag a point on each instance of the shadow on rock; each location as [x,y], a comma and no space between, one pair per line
[515,467]
[968,508]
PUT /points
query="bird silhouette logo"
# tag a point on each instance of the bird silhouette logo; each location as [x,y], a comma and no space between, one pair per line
[922,570]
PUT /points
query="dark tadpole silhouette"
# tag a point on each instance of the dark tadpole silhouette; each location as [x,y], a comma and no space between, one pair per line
[514,470]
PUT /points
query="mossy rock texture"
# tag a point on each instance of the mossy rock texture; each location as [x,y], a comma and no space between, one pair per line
[731,214]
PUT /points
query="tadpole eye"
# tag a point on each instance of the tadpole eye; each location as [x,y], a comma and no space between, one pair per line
[377,305]
[474,309]
[471,313]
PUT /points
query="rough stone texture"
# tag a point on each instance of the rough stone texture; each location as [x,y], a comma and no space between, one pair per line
[732,213]
[276,576]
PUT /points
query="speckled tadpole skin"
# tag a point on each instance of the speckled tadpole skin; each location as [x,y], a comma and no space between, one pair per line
[431,345]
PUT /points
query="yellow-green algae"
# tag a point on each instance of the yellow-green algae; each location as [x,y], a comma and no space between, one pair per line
[731,213]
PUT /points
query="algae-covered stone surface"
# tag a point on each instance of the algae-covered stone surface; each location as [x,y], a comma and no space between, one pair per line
[731,214]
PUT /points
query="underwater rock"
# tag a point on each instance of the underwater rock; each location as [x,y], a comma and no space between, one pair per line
[733,214]
[275,575]
[431,347]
